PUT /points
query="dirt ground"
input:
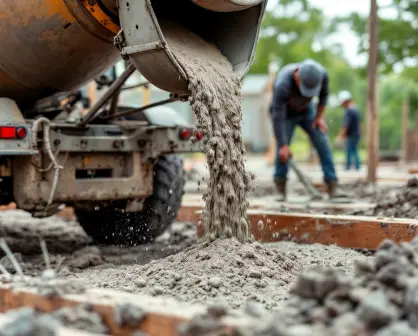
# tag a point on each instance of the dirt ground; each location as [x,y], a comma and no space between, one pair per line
[272,269]
[177,266]
[400,201]
[309,289]
[66,239]
[70,248]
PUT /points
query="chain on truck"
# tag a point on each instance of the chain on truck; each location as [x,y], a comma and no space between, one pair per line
[118,166]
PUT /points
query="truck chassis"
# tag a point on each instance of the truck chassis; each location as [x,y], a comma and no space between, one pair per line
[116,169]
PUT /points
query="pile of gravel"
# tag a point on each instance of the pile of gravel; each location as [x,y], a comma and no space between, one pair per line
[223,269]
[381,299]
[397,202]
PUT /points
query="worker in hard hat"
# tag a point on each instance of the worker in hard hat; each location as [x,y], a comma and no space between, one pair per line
[351,130]
[294,89]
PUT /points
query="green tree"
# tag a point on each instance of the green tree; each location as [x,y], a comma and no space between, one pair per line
[291,36]
[398,34]
[393,91]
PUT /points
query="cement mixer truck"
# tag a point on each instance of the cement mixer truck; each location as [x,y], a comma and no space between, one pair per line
[117,166]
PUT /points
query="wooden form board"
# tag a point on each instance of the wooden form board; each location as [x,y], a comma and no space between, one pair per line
[154,324]
[5,320]
[344,231]
[162,315]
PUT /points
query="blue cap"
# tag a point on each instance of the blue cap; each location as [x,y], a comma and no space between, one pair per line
[310,78]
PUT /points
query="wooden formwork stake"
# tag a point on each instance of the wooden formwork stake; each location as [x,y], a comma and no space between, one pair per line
[372,95]
[344,231]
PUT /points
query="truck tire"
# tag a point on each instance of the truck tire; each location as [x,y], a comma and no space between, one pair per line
[112,226]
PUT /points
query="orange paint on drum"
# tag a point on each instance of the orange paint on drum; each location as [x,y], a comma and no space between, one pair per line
[101,16]
[50,46]
[59,7]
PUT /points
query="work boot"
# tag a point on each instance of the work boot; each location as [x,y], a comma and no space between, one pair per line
[334,190]
[281,188]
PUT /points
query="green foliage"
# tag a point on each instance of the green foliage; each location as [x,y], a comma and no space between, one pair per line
[392,93]
[290,36]
[410,73]
[398,35]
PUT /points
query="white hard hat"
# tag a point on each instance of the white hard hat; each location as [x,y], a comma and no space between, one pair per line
[344,96]
[273,67]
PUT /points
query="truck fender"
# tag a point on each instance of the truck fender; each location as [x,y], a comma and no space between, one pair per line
[164,116]
[10,112]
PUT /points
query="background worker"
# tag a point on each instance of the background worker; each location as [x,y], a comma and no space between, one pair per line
[292,104]
[351,131]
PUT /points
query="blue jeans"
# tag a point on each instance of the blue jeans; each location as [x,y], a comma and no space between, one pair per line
[318,139]
[351,150]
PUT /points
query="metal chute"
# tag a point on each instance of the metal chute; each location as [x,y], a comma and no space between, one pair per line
[234,32]
[226,5]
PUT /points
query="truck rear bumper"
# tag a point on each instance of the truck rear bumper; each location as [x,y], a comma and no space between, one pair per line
[149,141]
[101,164]
[119,176]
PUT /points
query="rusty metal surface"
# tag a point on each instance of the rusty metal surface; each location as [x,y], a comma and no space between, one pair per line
[89,21]
[132,178]
[100,15]
[46,49]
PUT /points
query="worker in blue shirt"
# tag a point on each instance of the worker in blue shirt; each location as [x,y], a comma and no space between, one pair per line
[292,104]
[351,130]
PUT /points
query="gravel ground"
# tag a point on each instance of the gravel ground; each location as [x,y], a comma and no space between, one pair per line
[240,275]
[223,270]
[23,233]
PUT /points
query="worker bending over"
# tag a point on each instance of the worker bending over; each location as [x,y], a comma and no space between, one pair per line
[292,104]
[350,132]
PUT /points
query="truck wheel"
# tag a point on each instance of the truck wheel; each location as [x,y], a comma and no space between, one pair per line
[112,226]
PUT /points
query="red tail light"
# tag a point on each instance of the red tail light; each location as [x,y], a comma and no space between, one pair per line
[21,132]
[185,133]
[12,132]
[7,132]
[199,135]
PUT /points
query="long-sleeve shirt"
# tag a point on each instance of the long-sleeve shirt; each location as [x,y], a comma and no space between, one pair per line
[288,102]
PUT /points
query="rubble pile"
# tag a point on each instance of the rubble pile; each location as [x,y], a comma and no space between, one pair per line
[380,299]
[399,202]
